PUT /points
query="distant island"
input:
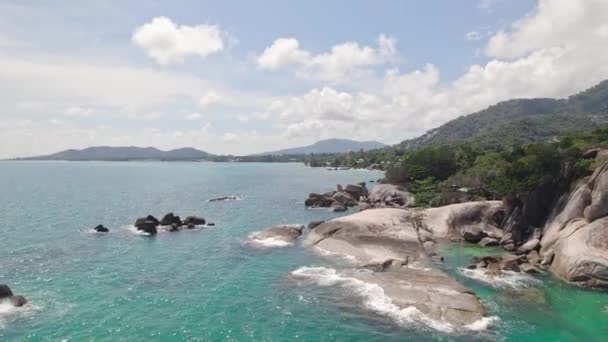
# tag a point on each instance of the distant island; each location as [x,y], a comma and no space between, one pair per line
[132,153]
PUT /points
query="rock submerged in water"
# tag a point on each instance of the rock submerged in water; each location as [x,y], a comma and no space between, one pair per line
[7,294]
[224,198]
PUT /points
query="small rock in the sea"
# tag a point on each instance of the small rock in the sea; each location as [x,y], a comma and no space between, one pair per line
[147,224]
[7,293]
[170,219]
[190,226]
[224,198]
[527,268]
[210,224]
[428,244]
[314,224]
[101,229]
[337,208]
[194,220]
[174,227]
[18,301]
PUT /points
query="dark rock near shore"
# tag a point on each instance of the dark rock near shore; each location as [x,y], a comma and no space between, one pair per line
[190,226]
[101,229]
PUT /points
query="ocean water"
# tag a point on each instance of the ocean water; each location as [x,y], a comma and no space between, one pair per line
[211,284]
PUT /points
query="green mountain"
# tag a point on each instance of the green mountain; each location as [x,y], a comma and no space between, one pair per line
[330,146]
[522,121]
[108,153]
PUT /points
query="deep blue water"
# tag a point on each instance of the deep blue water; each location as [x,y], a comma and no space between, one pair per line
[209,284]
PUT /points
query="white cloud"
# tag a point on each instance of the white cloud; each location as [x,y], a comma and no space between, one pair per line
[169,43]
[283,52]
[554,52]
[554,23]
[346,61]
[208,99]
[473,35]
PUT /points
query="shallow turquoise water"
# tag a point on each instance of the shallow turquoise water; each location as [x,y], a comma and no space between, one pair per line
[210,285]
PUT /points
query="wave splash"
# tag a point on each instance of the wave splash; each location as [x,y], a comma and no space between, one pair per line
[267,242]
[375,300]
[508,279]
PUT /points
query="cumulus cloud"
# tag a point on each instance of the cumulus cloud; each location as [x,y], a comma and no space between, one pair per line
[553,52]
[343,62]
[168,43]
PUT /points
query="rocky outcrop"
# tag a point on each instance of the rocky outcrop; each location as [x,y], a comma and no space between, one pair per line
[339,200]
[388,195]
[575,239]
[170,219]
[387,243]
[282,233]
[225,198]
[6,294]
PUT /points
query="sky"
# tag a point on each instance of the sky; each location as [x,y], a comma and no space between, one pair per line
[241,77]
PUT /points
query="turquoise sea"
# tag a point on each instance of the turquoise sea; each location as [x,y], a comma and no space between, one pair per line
[210,284]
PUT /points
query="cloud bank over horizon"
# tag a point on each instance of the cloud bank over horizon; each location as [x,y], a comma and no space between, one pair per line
[166,83]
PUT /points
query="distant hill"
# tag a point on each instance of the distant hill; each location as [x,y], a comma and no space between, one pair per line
[330,146]
[107,153]
[523,121]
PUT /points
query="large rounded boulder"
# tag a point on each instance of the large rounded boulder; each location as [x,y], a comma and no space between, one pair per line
[285,234]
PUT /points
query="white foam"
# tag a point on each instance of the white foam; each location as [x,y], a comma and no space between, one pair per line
[345,256]
[9,312]
[505,279]
[374,299]
[131,228]
[267,242]
[482,324]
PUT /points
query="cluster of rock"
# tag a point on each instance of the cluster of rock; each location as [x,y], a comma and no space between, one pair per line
[496,265]
[170,222]
[6,294]
[357,195]
[567,233]
[339,200]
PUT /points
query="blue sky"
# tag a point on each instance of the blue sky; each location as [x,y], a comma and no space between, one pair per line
[244,77]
